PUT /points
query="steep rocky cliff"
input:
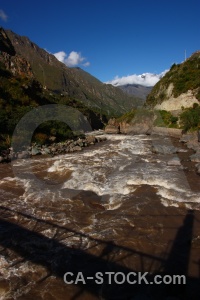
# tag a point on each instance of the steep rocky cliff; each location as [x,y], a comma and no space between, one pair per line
[13,62]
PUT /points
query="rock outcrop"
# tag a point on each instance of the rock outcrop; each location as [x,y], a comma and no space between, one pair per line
[141,123]
[5,43]
[179,87]
[140,128]
[17,65]
[13,62]
[173,104]
[112,127]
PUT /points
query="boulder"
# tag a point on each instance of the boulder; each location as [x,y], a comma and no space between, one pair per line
[198,168]
[90,139]
[45,151]
[100,139]
[23,154]
[191,140]
[140,128]
[67,143]
[140,122]
[195,157]
[77,148]
[175,161]
[113,122]
[164,149]
[186,138]
[35,151]
[179,150]
[53,149]
[13,155]
[112,129]
[193,145]
[79,142]
[52,138]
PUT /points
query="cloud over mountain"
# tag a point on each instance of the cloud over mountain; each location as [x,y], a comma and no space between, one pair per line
[145,79]
[73,59]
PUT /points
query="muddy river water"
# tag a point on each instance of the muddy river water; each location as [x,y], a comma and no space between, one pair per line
[114,207]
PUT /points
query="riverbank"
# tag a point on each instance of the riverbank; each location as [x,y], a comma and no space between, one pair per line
[68,146]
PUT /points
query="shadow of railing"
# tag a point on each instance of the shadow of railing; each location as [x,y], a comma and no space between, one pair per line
[58,258]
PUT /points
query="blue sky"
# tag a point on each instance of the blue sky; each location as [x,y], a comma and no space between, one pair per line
[109,38]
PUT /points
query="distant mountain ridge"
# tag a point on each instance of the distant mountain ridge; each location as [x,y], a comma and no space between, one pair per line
[137,85]
[73,82]
[136,90]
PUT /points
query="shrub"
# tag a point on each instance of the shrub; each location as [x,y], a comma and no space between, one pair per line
[40,138]
[190,118]
[128,117]
[165,119]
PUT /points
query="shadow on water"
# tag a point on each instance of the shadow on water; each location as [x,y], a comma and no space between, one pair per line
[58,258]
[178,258]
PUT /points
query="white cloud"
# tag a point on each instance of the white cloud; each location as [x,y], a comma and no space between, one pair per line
[146,79]
[3,16]
[60,56]
[87,64]
[73,59]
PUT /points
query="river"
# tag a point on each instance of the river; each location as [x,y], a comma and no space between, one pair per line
[115,206]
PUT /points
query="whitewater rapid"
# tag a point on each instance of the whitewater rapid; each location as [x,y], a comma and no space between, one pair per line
[112,171]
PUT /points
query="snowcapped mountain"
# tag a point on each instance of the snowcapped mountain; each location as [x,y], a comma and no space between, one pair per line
[145,79]
[137,85]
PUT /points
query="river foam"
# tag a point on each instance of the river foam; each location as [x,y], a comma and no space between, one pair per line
[114,170]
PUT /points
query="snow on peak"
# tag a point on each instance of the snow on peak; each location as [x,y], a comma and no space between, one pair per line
[145,79]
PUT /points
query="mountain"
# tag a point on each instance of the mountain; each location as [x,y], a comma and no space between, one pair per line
[174,102]
[72,82]
[19,94]
[136,90]
[145,79]
[137,85]
[179,88]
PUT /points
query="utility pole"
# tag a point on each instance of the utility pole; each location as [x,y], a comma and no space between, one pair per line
[185,55]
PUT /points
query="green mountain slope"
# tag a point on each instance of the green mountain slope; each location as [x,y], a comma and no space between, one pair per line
[72,82]
[180,79]
[19,94]
[137,90]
